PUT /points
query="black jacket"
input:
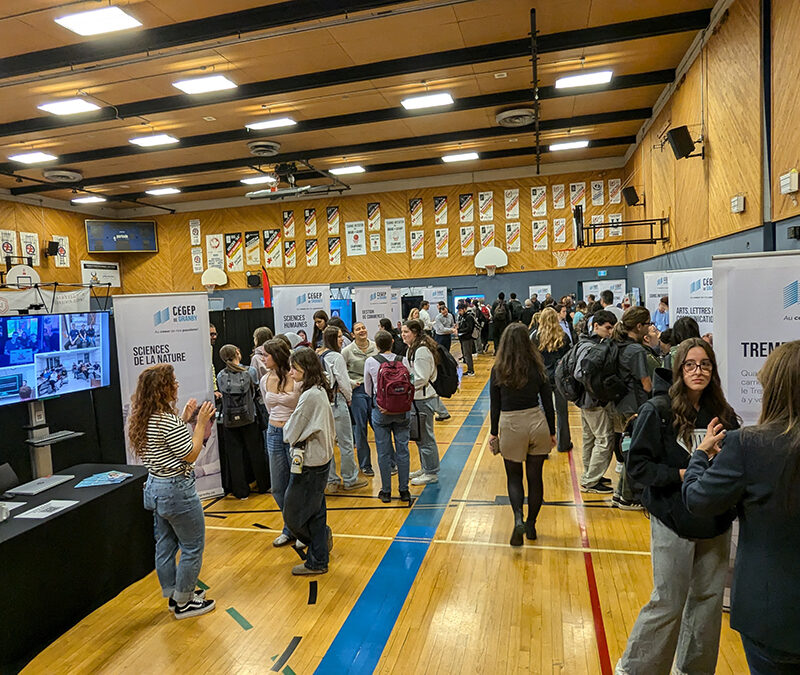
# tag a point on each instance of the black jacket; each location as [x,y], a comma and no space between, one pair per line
[747,475]
[466,324]
[550,359]
[527,315]
[515,307]
[654,462]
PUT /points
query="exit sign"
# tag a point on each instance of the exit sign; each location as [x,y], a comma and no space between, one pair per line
[602,273]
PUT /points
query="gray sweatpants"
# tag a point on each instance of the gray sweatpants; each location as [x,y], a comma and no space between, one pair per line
[598,444]
[682,620]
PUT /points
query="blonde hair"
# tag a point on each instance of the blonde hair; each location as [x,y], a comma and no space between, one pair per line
[551,335]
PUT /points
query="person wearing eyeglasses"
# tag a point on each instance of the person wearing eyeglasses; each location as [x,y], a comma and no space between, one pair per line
[681,623]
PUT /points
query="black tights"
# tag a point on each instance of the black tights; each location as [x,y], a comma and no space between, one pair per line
[516,493]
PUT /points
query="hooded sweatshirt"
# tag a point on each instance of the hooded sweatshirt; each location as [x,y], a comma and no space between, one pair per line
[656,457]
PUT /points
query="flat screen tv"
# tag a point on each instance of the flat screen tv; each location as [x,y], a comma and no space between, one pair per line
[121,236]
[47,355]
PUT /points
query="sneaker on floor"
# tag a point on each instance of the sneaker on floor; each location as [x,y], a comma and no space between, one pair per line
[368,472]
[425,478]
[605,480]
[394,470]
[333,487]
[530,530]
[302,570]
[385,497]
[416,474]
[360,482]
[405,496]
[199,594]
[619,466]
[625,505]
[469,374]
[442,418]
[282,540]
[598,488]
[194,607]
[299,545]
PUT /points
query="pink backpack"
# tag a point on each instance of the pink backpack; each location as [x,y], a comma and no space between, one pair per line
[395,393]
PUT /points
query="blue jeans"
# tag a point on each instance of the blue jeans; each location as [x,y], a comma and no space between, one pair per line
[360,408]
[428,450]
[388,455]
[305,513]
[765,661]
[179,523]
[344,439]
[278,453]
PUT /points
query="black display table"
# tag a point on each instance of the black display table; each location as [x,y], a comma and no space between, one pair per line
[56,571]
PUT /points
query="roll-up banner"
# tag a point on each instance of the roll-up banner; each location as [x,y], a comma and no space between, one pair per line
[743,342]
[619,287]
[372,304]
[691,293]
[656,286]
[541,291]
[295,306]
[170,328]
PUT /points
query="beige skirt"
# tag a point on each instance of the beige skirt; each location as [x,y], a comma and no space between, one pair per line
[522,433]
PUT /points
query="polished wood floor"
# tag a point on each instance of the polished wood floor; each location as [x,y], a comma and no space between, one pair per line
[563,605]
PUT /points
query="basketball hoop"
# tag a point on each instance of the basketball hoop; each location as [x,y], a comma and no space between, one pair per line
[212,278]
[489,258]
[210,288]
[561,257]
[490,270]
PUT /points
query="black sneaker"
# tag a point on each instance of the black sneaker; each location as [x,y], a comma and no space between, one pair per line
[530,530]
[442,418]
[199,594]
[405,496]
[385,497]
[194,607]
[605,480]
[598,489]
[368,472]
[516,536]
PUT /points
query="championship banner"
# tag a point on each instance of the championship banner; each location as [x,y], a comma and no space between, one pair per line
[272,248]
[194,232]
[374,242]
[442,242]
[295,306]
[541,291]
[332,216]
[290,253]
[598,193]
[656,286]
[197,260]
[334,250]
[252,253]
[173,329]
[577,194]
[62,257]
[691,293]
[372,304]
[415,209]
[234,252]
[310,219]
[558,196]
[486,206]
[614,190]
[215,251]
[619,287]
[539,235]
[487,235]
[94,272]
[312,252]
[512,237]
[773,317]
[288,224]
[373,217]
[356,238]
[600,232]
[440,210]
[539,200]
[29,245]
[559,230]
[59,302]
[8,243]
[468,240]
[395,235]
[466,208]
[417,245]
[614,218]
[512,203]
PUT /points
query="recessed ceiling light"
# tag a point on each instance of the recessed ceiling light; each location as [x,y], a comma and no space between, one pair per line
[342,170]
[571,145]
[463,157]
[89,200]
[271,124]
[584,79]
[209,119]
[71,106]
[97,21]
[203,85]
[257,180]
[155,139]
[157,192]
[427,101]
[32,157]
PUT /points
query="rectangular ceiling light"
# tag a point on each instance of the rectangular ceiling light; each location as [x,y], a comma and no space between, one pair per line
[203,85]
[89,200]
[584,79]
[271,124]
[343,170]
[71,106]
[155,139]
[463,157]
[258,180]
[427,101]
[32,157]
[572,145]
[157,192]
[97,21]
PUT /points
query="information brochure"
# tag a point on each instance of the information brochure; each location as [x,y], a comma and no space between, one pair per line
[49,509]
[105,478]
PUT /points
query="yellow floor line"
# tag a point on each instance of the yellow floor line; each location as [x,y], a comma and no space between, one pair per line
[462,504]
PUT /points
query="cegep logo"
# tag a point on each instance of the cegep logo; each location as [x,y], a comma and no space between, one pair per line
[378,296]
[161,316]
[175,314]
[791,294]
[704,284]
[309,299]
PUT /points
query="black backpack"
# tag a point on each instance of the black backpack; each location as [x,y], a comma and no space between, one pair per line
[516,309]
[600,372]
[446,383]
[329,375]
[500,313]
[238,405]
[570,388]
[663,405]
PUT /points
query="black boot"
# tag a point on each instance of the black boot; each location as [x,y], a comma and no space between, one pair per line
[530,529]
[519,529]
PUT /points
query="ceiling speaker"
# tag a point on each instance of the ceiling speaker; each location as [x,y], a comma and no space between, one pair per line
[681,142]
[518,117]
[630,195]
[62,175]
[253,279]
[264,148]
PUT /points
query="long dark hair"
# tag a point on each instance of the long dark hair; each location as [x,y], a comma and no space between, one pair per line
[313,376]
[280,353]
[342,326]
[684,328]
[712,398]
[316,336]
[330,338]
[421,340]
[516,354]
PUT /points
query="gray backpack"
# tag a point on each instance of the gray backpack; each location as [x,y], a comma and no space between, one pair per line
[238,404]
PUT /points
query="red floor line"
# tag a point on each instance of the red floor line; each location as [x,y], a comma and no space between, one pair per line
[594,596]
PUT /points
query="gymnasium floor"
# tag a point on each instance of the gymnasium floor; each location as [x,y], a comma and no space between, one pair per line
[431,589]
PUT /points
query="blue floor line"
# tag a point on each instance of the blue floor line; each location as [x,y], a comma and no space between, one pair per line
[360,642]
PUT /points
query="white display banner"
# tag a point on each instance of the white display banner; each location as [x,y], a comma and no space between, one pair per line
[619,287]
[8,243]
[417,244]
[433,294]
[512,203]
[65,302]
[372,304]
[691,293]
[295,306]
[773,317]
[170,328]
[541,291]
[197,260]
[442,235]
[93,272]
[656,286]
[356,238]
[512,237]
[215,251]
[539,235]
[486,206]
[395,235]
[539,200]
[194,232]
[29,246]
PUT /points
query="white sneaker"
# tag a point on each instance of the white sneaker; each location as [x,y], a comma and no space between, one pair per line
[619,466]
[416,474]
[425,478]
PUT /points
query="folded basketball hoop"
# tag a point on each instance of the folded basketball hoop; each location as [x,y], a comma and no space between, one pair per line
[490,258]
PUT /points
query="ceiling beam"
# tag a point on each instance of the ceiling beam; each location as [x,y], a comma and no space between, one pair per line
[342,150]
[509,49]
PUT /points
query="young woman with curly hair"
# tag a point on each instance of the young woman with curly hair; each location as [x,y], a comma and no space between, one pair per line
[166,446]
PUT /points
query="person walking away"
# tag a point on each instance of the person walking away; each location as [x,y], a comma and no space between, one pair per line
[514,308]
[335,369]
[355,354]
[280,394]
[500,319]
[661,315]
[309,432]
[466,328]
[320,324]
[522,423]
[244,442]
[552,343]
[422,358]
[388,380]
[527,313]
[425,317]
[755,472]
[443,327]
[681,622]
[607,300]
[398,346]
[168,449]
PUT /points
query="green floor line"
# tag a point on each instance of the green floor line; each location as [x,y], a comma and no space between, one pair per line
[200,584]
[244,623]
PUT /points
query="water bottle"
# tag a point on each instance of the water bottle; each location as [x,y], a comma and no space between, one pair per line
[297,460]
